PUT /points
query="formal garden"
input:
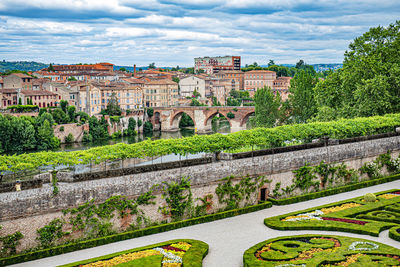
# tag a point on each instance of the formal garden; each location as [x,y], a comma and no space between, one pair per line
[173,253]
[320,250]
[369,215]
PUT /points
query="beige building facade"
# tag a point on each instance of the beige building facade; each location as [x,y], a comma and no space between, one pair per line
[160,93]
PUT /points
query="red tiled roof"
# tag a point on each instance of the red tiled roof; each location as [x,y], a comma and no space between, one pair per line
[161,82]
[21,75]
[36,92]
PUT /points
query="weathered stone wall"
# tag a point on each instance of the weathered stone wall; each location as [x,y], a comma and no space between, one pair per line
[71,128]
[278,166]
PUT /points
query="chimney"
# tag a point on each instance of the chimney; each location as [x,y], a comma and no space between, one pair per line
[134,70]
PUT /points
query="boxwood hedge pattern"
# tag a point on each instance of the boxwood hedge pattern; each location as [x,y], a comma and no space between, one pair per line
[158,254]
[352,215]
[320,250]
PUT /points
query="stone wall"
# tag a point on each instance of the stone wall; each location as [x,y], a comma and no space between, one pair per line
[73,128]
[277,166]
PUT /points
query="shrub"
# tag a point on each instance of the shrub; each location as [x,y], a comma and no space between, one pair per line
[148,127]
[69,138]
[62,129]
[230,115]
[369,197]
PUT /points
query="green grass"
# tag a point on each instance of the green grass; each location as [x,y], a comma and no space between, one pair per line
[192,258]
[379,216]
[328,249]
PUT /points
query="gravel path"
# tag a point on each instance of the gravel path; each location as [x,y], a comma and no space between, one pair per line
[227,238]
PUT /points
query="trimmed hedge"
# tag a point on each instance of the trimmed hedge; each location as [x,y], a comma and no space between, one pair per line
[372,227]
[394,233]
[280,255]
[193,257]
[334,191]
[128,235]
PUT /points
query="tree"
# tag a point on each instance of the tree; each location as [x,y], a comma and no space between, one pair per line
[71,113]
[45,137]
[301,96]
[368,83]
[122,69]
[139,123]
[267,108]
[63,105]
[186,121]
[150,112]
[230,115]
[147,127]
[50,68]
[19,101]
[131,126]
[60,116]
[113,108]
[43,117]
[152,65]
[300,64]
[271,63]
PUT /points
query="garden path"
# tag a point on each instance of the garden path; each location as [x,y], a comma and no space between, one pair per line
[227,238]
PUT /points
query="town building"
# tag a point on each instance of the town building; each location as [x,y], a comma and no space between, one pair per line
[236,78]
[18,81]
[190,84]
[256,79]
[211,65]
[160,93]
[98,67]
[41,98]
[281,85]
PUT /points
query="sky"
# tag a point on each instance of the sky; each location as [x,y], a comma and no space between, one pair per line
[174,32]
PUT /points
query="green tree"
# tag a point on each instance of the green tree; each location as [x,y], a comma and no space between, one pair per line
[60,116]
[186,121]
[147,127]
[72,78]
[267,108]
[122,69]
[19,101]
[131,126]
[63,105]
[139,123]
[271,63]
[43,117]
[113,108]
[150,112]
[301,96]
[45,137]
[71,113]
[152,65]
[50,68]
[83,116]
[368,83]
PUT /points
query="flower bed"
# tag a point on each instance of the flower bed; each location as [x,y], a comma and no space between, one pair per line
[317,250]
[172,253]
[353,215]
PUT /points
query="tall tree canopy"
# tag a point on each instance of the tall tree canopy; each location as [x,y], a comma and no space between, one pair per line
[369,82]
[267,108]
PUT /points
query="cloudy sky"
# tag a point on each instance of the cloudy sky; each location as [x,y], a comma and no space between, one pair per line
[173,32]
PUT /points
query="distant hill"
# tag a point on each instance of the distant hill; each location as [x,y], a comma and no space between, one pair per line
[21,65]
[318,67]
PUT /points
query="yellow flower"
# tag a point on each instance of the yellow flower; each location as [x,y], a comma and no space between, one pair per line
[339,208]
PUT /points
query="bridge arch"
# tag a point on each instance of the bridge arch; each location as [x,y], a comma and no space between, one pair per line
[246,118]
[208,120]
[176,118]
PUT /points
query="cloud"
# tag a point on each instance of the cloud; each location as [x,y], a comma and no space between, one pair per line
[173,32]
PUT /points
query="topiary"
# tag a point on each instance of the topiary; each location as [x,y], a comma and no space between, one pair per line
[369,197]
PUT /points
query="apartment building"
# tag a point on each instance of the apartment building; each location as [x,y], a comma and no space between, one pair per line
[236,78]
[211,65]
[128,96]
[256,79]
[160,93]
[41,98]
[281,85]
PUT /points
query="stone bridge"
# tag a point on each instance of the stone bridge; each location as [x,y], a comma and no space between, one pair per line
[168,118]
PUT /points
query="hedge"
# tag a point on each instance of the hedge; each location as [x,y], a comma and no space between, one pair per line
[331,252]
[263,137]
[394,233]
[372,227]
[129,235]
[333,191]
[193,256]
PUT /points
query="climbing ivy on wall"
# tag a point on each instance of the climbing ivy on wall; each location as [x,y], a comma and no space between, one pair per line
[178,197]
[232,194]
